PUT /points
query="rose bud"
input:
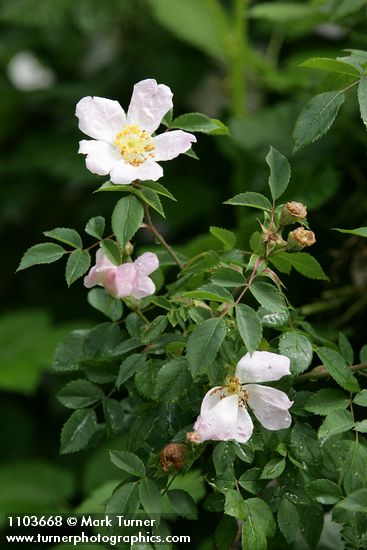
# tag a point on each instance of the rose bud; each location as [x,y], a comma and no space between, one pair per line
[193,437]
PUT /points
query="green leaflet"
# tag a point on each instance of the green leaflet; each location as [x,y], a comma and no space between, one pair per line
[78,430]
[331,65]
[79,393]
[362,99]
[66,236]
[77,265]
[253,200]
[336,365]
[203,345]
[268,296]
[150,498]
[126,218]
[249,326]
[317,118]
[299,350]
[95,227]
[224,236]
[44,253]
[128,462]
[302,262]
[197,122]
[336,422]
[359,231]
[280,173]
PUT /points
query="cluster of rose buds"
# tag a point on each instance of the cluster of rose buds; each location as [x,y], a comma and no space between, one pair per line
[296,212]
[291,213]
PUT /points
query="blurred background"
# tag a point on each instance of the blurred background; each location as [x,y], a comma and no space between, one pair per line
[234,60]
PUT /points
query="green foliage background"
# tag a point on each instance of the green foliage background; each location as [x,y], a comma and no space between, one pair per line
[248,75]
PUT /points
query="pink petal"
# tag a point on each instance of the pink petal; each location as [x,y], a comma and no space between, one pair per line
[262,366]
[149,103]
[171,144]
[221,418]
[100,118]
[101,156]
[98,272]
[143,286]
[102,262]
[147,263]
[123,173]
[122,283]
[270,406]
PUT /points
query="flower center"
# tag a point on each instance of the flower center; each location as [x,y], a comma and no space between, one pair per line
[135,145]
[233,387]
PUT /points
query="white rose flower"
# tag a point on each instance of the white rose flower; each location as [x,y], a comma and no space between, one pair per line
[224,415]
[123,145]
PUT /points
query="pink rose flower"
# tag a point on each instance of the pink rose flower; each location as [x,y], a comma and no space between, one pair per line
[128,279]
[224,413]
[123,145]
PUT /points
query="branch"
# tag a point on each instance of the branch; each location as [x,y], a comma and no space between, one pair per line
[160,237]
[321,372]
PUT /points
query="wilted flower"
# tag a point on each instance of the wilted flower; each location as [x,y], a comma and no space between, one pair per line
[123,145]
[292,212]
[128,279]
[224,414]
[172,458]
[300,238]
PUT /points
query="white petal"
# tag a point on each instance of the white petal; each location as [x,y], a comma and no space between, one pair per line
[171,144]
[222,419]
[244,426]
[149,103]
[101,156]
[124,173]
[100,118]
[220,422]
[147,263]
[262,366]
[211,398]
[270,406]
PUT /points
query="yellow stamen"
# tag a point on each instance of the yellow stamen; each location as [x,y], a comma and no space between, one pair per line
[233,387]
[135,145]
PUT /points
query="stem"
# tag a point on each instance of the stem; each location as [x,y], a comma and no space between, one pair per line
[160,237]
[169,483]
[237,58]
[321,372]
[249,282]
[140,314]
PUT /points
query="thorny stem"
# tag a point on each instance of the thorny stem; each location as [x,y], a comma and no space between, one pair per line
[321,372]
[149,225]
